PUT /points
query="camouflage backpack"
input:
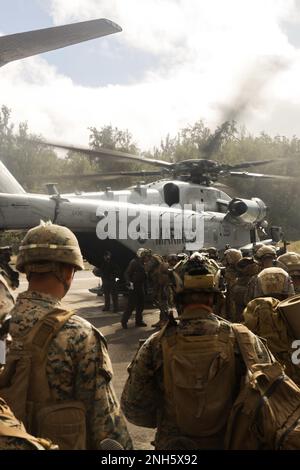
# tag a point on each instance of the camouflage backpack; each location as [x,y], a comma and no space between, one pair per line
[264,318]
[196,369]
[24,386]
[266,413]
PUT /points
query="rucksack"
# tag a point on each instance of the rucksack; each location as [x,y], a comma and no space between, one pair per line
[10,427]
[264,318]
[266,413]
[199,384]
[24,386]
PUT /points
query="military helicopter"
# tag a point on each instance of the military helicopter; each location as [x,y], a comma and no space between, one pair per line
[183,189]
[150,215]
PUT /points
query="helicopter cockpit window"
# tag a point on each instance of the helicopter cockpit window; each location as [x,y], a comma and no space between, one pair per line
[171,194]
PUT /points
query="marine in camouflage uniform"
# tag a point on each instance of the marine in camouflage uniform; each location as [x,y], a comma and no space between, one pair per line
[246,268]
[158,274]
[290,261]
[144,399]
[263,316]
[265,256]
[78,366]
[230,260]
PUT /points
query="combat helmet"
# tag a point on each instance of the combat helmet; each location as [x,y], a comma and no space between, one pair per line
[198,273]
[143,252]
[247,266]
[182,256]
[273,282]
[46,245]
[257,246]
[232,256]
[212,252]
[265,250]
[290,261]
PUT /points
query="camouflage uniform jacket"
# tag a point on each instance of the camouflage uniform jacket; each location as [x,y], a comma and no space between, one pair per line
[7,300]
[238,292]
[250,290]
[230,277]
[78,368]
[143,396]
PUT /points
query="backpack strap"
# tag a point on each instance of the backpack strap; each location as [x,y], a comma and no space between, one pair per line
[245,341]
[272,370]
[38,341]
[52,320]
[224,332]
[45,330]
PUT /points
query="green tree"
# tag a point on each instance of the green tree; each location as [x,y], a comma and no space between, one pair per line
[26,160]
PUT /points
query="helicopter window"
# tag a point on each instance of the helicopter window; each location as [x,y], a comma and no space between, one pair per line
[171,194]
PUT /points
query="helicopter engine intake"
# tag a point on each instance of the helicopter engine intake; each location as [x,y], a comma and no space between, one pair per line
[247,211]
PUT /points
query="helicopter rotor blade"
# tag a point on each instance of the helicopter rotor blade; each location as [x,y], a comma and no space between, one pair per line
[246,174]
[249,164]
[21,45]
[106,153]
[103,176]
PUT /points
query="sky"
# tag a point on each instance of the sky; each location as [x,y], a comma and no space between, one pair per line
[175,62]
